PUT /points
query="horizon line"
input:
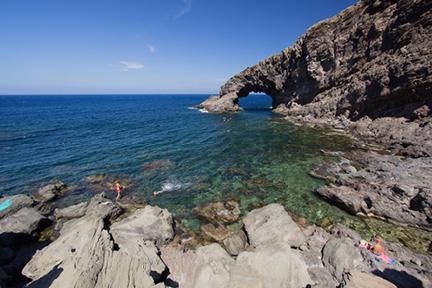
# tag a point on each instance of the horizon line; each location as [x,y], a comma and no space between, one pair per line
[113,94]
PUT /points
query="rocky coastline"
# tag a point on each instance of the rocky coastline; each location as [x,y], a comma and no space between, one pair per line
[366,73]
[101,243]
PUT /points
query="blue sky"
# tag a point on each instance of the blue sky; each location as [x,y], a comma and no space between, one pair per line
[143,46]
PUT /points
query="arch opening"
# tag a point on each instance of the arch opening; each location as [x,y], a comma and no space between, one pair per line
[256,102]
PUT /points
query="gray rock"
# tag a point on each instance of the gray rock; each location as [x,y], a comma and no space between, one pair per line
[270,266]
[74,211]
[322,278]
[18,201]
[85,255]
[236,243]
[20,226]
[208,266]
[384,185]
[50,191]
[272,224]
[216,104]
[359,279]
[148,224]
[339,256]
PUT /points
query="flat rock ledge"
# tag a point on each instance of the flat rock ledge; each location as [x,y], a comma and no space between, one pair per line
[385,186]
[97,248]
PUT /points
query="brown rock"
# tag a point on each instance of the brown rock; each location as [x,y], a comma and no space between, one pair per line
[216,232]
[219,212]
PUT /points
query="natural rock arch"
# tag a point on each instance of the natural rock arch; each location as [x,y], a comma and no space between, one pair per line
[372,59]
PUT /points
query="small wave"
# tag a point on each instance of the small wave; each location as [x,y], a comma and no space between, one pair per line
[171,187]
[202,110]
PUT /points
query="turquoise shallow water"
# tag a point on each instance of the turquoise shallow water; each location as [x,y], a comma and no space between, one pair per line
[254,157]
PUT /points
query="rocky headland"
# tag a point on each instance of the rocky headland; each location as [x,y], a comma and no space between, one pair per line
[367,69]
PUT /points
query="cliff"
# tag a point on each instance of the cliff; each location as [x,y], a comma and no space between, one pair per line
[372,59]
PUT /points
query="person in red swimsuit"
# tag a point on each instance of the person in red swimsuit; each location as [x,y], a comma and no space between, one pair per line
[118,189]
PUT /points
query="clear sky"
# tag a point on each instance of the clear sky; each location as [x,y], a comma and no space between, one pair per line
[144,46]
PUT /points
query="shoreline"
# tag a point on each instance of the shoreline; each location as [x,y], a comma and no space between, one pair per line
[315,247]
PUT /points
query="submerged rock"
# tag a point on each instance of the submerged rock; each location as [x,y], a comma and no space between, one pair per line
[272,224]
[158,164]
[219,212]
[216,232]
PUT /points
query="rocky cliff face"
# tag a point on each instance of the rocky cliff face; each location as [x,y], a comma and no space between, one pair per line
[372,59]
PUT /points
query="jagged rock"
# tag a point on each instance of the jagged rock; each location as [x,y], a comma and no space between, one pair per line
[86,255]
[340,255]
[148,224]
[100,206]
[50,191]
[216,104]
[272,224]
[74,211]
[20,226]
[219,212]
[383,185]
[371,60]
[18,201]
[359,279]
[235,243]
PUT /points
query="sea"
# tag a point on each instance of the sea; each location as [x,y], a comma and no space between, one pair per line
[161,143]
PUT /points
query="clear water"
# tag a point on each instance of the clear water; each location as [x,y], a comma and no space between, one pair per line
[254,157]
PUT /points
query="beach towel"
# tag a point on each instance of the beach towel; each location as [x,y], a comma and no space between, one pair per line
[383,257]
[5,204]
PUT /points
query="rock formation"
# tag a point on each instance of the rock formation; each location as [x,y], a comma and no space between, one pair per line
[370,62]
[372,59]
[99,246]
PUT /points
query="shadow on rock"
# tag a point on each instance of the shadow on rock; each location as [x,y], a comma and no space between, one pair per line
[46,280]
[400,278]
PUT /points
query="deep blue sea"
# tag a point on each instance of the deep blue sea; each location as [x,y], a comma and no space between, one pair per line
[159,143]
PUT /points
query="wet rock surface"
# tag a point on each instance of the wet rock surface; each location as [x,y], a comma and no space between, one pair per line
[219,212]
